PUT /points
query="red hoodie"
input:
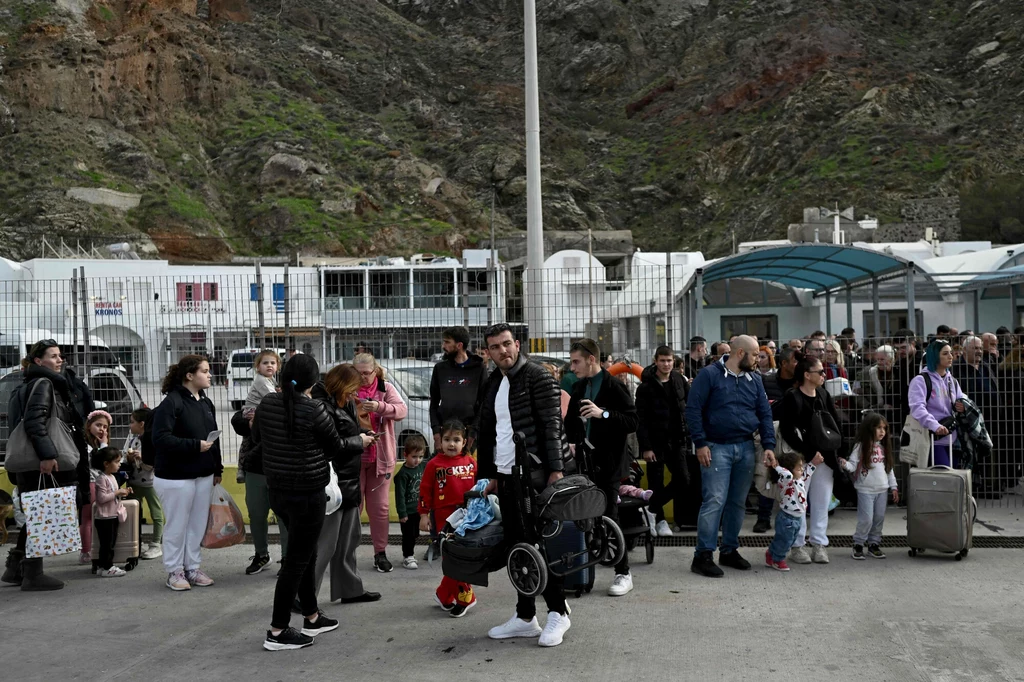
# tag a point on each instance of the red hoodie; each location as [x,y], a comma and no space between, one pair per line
[445,483]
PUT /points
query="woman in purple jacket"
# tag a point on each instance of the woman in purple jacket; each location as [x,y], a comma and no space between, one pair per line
[934,409]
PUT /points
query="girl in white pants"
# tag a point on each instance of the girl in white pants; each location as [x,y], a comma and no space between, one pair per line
[186,506]
[187,467]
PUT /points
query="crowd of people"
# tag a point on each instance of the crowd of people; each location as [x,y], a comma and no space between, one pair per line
[821,416]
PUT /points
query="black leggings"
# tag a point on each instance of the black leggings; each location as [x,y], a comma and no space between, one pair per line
[106,534]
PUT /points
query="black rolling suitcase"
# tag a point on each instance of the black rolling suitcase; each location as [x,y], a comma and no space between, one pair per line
[571,540]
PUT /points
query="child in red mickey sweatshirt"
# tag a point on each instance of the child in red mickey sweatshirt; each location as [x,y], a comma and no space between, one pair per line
[446,480]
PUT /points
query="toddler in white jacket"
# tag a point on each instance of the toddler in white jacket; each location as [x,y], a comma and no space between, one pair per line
[871,463]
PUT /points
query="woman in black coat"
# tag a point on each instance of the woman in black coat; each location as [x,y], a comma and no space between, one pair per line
[52,392]
[796,415]
[342,529]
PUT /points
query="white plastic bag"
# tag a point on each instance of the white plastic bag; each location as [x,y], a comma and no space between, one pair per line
[225,526]
[333,491]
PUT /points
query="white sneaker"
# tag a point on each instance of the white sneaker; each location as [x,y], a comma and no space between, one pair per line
[112,572]
[799,555]
[152,551]
[819,554]
[554,629]
[663,529]
[622,584]
[410,563]
[652,521]
[516,627]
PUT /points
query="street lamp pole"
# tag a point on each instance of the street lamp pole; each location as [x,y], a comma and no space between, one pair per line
[534,215]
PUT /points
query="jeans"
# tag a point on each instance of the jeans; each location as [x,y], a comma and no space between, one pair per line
[725,485]
[106,530]
[410,531]
[303,514]
[870,517]
[786,528]
[675,491]
[515,531]
[819,494]
[257,499]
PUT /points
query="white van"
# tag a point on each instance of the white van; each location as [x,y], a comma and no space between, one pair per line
[15,346]
[240,373]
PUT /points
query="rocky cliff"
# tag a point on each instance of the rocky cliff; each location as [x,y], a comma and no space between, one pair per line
[371,127]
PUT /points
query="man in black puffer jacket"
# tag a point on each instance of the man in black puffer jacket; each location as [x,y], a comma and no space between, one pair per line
[42,373]
[661,406]
[296,434]
[521,396]
[457,385]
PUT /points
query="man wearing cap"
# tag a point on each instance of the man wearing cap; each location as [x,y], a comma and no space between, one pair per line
[726,405]
[601,415]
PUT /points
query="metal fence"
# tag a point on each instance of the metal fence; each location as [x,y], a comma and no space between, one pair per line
[122,331]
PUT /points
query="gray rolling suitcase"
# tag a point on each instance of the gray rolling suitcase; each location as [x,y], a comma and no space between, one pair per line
[940,509]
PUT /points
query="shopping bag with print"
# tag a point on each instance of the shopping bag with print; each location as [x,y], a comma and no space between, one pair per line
[225,526]
[51,520]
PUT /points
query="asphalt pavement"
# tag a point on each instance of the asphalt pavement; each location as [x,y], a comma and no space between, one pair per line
[929,618]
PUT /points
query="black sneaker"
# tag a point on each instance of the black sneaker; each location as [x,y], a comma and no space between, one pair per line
[704,563]
[459,610]
[258,563]
[322,624]
[290,638]
[858,552]
[875,552]
[381,563]
[733,560]
[762,526]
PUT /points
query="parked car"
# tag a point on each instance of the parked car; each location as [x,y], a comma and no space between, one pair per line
[412,379]
[111,389]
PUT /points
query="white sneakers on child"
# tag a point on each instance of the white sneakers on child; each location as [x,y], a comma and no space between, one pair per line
[151,550]
[112,572]
[410,563]
[663,529]
[551,635]
[554,629]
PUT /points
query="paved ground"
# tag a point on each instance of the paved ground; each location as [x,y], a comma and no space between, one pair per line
[900,619]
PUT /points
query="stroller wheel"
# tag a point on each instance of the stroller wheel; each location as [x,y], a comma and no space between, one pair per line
[527,570]
[614,542]
[649,549]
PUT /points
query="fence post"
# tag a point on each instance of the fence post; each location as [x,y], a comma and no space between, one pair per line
[669,303]
[911,307]
[85,323]
[259,306]
[287,312]
[828,312]
[465,294]
[699,302]
[876,315]
[74,321]
[976,313]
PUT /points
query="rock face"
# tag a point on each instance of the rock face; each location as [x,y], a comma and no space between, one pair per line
[97,196]
[376,126]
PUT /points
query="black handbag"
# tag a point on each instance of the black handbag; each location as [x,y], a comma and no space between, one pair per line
[825,432]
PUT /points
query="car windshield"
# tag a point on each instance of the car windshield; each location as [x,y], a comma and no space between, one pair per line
[242,360]
[415,381]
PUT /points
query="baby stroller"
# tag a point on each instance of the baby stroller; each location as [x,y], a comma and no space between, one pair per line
[634,518]
[572,499]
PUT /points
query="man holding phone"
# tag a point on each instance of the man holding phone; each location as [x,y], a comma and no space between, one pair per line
[600,417]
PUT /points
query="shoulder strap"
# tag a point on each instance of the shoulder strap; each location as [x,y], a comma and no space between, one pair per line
[929,388]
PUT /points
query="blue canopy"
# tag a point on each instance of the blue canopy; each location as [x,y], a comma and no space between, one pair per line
[818,267]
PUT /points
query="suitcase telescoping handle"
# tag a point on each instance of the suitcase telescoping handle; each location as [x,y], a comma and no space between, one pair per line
[931,454]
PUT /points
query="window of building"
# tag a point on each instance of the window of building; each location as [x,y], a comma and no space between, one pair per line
[389,289]
[889,321]
[761,326]
[343,290]
[479,291]
[433,289]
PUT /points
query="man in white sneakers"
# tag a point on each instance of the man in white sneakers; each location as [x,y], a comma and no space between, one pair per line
[521,396]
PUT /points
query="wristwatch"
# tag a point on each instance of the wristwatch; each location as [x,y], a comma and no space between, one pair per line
[604,415]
